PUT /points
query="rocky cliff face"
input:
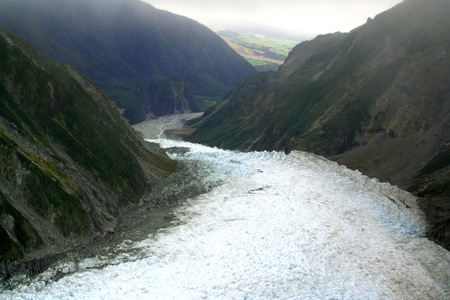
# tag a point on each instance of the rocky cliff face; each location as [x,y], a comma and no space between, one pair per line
[126,45]
[69,162]
[376,100]
[165,97]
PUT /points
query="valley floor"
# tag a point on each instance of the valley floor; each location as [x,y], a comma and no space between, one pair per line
[166,127]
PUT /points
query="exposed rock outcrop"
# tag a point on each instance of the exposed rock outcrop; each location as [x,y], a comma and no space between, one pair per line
[164,97]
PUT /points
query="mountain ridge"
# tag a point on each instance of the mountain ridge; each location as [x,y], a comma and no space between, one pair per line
[124,45]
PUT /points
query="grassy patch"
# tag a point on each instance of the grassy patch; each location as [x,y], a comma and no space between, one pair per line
[258,49]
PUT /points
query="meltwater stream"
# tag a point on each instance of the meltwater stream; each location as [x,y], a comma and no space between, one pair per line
[271,226]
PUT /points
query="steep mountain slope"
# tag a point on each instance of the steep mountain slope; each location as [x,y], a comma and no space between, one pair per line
[124,44]
[68,160]
[377,100]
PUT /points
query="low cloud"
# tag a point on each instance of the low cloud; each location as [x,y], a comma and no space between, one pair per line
[295,18]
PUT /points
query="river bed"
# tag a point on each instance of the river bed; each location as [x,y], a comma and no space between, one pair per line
[172,127]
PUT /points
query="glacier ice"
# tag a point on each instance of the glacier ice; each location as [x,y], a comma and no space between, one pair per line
[269,226]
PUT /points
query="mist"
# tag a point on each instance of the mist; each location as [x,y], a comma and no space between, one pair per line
[296,19]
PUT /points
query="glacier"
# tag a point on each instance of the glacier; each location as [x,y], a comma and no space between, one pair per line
[268,226]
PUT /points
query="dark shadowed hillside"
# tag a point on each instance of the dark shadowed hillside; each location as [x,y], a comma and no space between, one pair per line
[69,162]
[123,45]
[376,99]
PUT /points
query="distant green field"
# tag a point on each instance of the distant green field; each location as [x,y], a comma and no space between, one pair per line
[204,102]
[261,51]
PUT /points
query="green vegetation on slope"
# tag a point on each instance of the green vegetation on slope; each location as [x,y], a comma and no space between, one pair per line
[349,78]
[68,159]
[41,99]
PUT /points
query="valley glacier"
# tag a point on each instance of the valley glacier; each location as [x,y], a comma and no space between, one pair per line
[270,226]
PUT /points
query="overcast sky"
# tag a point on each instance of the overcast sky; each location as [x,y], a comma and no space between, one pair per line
[303,19]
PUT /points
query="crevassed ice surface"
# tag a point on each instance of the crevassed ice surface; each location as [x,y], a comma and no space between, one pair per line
[274,226]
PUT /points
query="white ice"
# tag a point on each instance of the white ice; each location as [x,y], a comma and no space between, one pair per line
[279,226]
